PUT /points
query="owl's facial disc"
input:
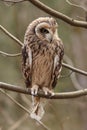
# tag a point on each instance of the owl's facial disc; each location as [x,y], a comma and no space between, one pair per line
[44,32]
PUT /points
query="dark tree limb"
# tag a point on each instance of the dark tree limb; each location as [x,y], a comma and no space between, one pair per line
[64,95]
[59,15]
[53,12]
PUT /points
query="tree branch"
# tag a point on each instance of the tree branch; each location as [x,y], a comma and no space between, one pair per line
[64,95]
[9,55]
[74,69]
[10,35]
[14,1]
[75,5]
[79,6]
[59,15]
[53,12]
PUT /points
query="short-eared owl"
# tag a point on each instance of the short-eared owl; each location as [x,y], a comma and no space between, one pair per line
[42,59]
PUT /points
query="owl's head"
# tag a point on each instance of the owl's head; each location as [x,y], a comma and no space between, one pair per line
[45,28]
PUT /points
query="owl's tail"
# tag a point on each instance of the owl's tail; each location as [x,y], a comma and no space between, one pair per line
[37,108]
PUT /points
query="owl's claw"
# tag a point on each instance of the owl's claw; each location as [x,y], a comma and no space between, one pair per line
[34,90]
[48,91]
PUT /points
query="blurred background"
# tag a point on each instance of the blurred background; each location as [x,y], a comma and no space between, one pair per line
[63,114]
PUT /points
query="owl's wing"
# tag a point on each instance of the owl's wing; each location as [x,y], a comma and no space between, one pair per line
[27,64]
[57,64]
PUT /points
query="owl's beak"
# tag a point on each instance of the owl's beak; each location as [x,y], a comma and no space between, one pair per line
[50,37]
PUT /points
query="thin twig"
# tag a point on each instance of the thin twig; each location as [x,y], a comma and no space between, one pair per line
[10,55]
[14,1]
[64,95]
[79,6]
[23,108]
[18,122]
[74,69]
[10,35]
[75,5]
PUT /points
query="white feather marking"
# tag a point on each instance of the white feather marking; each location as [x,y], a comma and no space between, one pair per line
[56,61]
[30,56]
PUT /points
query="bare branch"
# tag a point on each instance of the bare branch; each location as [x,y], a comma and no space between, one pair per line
[75,5]
[10,35]
[53,12]
[64,95]
[59,15]
[74,69]
[9,55]
[79,6]
[14,1]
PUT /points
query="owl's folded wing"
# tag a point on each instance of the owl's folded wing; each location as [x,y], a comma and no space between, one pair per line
[27,64]
[57,63]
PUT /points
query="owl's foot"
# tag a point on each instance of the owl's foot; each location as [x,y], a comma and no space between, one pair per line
[48,91]
[34,89]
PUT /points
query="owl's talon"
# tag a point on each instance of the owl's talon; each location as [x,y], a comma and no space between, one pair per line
[34,90]
[48,91]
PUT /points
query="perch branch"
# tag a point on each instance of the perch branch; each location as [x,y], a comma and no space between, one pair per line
[65,95]
[53,12]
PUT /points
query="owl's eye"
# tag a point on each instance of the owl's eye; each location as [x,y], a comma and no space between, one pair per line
[43,30]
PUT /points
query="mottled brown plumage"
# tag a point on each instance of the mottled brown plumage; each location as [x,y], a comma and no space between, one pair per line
[42,59]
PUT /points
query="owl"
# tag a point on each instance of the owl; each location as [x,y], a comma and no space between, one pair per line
[42,54]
